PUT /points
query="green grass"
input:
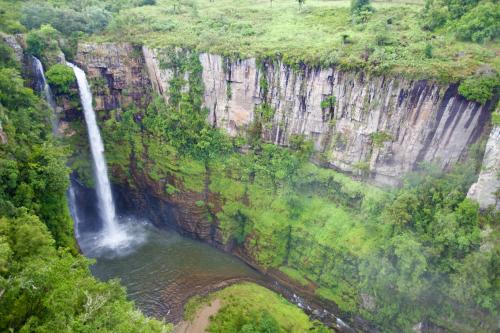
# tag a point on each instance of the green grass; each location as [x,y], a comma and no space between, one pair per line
[314,35]
[249,298]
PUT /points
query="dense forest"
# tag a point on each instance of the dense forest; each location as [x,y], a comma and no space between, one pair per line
[396,257]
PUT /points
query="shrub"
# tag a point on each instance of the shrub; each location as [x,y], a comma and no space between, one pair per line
[360,5]
[479,88]
[495,118]
[428,51]
[458,8]
[434,16]
[39,41]
[378,138]
[480,24]
[60,77]
[328,102]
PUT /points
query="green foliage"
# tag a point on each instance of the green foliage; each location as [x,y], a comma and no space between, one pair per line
[247,307]
[61,78]
[378,138]
[481,24]
[42,40]
[68,17]
[434,15]
[472,20]
[428,51]
[45,285]
[328,102]
[479,88]
[495,118]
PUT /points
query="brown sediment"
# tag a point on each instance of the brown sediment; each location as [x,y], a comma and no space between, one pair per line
[200,322]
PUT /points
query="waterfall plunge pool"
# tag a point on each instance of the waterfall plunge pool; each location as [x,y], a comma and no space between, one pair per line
[160,268]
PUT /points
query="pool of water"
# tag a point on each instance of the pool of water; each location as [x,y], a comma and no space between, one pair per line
[160,268]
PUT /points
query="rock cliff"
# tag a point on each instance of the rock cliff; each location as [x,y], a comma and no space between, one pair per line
[382,126]
[379,126]
[117,74]
[486,190]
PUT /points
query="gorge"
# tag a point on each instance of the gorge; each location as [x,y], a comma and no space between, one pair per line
[249,167]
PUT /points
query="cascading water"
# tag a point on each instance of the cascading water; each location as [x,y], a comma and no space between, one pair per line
[44,87]
[112,236]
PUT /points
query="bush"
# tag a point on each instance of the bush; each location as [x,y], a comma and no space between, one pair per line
[44,39]
[479,88]
[60,77]
[458,8]
[434,16]
[428,51]
[480,24]
[360,5]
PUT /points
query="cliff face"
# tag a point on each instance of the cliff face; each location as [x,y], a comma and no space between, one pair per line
[116,73]
[380,126]
[376,125]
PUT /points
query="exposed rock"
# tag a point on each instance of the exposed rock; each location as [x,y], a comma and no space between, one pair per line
[422,121]
[117,74]
[3,135]
[13,43]
[486,190]
[383,126]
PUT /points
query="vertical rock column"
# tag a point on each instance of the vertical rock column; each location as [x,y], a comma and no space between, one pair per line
[486,190]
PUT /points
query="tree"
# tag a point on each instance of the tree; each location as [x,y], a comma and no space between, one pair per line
[61,78]
[480,24]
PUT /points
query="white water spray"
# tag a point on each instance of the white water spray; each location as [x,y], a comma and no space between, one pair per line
[112,236]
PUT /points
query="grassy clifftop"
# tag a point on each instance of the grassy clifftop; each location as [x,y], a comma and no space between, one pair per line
[388,40]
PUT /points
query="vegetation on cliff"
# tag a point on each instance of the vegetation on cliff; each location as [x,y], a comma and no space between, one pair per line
[45,285]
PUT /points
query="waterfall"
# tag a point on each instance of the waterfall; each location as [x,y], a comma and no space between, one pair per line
[44,87]
[113,235]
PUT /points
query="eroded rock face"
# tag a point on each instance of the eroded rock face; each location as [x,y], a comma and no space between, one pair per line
[117,74]
[486,190]
[380,125]
[15,45]
[3,136]
[377,125]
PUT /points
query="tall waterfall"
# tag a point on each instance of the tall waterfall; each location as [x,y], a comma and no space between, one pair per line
[113,235]
[44,87]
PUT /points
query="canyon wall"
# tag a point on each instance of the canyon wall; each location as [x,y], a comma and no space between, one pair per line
[378,126]
[486,190]
[117,74]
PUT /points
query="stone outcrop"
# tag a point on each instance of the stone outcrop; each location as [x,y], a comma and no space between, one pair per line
[486,190]
[3,136]
[117,74]
[15,44]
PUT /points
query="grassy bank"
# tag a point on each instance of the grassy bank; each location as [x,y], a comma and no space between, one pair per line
[247,307]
